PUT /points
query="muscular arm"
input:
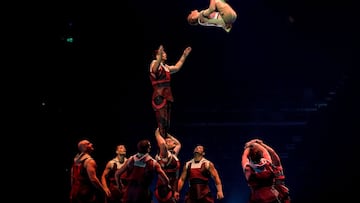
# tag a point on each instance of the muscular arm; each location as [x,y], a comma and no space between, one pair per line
[271,152]
[274,156]
[161,144]
[182,178]
[175,68]
[215,175]
[245,163]
[178,144]
[244,158]
[104,175]
[91,171]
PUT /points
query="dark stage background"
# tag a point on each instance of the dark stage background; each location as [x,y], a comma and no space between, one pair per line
[284,74]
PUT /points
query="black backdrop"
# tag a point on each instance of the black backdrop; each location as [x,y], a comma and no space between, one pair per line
[283,74]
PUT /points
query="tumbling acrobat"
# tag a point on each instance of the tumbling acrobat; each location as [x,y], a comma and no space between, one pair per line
[218,14]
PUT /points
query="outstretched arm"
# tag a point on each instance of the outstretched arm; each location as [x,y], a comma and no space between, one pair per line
[155,64]
[161,144]
[177,144]
[175,68]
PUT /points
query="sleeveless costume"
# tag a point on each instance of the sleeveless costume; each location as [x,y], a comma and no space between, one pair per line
[171,166]
[198,176]
[261,183]
[140,173]
[162,98]
[82,190]
[116,193]
[284,194]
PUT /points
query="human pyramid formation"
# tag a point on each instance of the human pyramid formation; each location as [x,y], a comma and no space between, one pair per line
[128,180]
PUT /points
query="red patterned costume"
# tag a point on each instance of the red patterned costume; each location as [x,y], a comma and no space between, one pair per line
[261,182]
[116,193]
[198,176]
[162,97]
[279,185]
[82,190]
[140,173]
[171,166]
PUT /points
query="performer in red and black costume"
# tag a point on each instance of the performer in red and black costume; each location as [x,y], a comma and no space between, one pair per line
[280,186]
[160,77]
[85,185]
[113,193]
[198,171]
[167,157]
[140,170]
[259,174]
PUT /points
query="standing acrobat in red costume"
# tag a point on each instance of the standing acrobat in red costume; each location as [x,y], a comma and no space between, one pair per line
[160,77]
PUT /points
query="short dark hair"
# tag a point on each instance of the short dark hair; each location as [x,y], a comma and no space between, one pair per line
[143,146]
[255,154]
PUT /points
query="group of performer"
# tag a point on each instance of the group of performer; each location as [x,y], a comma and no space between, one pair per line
[129,179]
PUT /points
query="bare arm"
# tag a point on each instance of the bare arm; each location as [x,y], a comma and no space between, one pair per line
[274,156]
[104,177]
[177,143]
[245,163]
[91,171]
[161,144]
[247,172]
[155,64]
[212,8]
[244,158]
[215,175]
[175,68]
[120,171]
[182,178]
[250,142]
[162,175]
[265,152]
[181,182]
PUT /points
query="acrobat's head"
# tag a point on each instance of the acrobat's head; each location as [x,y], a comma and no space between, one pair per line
[85,146]
[144,146]
[193,17]
[256,152]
